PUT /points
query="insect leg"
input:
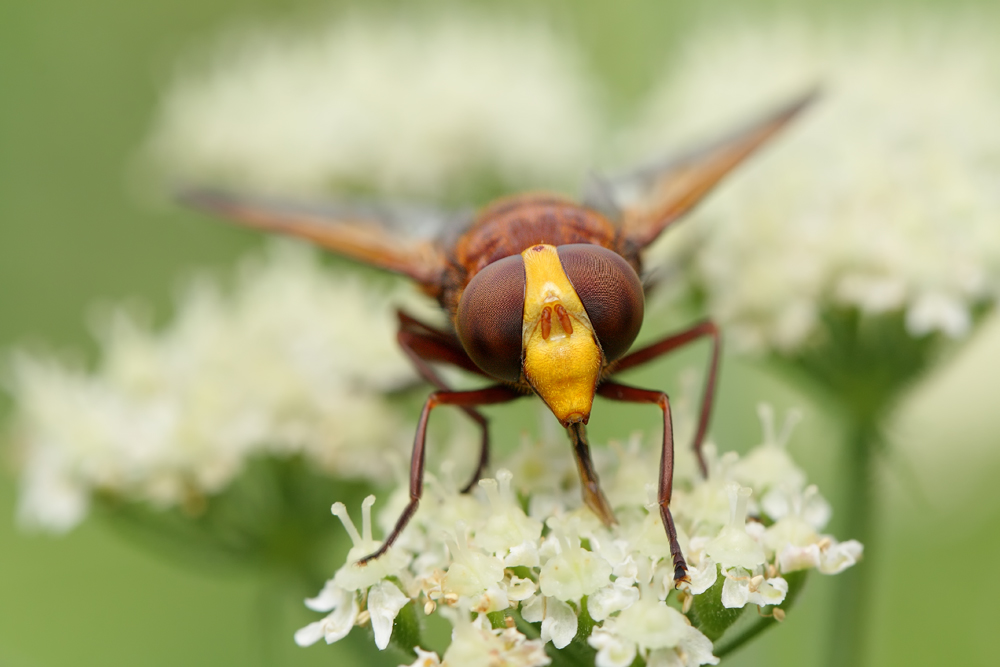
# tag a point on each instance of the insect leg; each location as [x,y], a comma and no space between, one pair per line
[435,345]
[621,392]
[671,343]
[487,396]
[422,344]
[593,497]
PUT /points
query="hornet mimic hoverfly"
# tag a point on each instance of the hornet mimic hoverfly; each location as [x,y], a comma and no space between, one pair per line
[543,296]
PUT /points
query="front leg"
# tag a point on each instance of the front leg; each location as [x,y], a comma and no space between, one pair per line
[671,343]
[621,392]
[423,343]
[487,396]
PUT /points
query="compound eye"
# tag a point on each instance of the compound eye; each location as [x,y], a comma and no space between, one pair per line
[490,315]
[611,293]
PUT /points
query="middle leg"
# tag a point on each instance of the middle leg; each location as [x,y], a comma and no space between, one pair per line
[423,344]
[487,396]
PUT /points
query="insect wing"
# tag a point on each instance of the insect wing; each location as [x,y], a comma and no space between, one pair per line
[650,198]
[401,238]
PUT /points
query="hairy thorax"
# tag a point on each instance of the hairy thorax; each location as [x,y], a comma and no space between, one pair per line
[511,225]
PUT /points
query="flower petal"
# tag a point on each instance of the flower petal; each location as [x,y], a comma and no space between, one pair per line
[560,623]
[384,602]
[424,659]
[772,591]
[612,650]
[840,556]
[533,609]
[310,634]
[610,599]
[735,592]
[329,598]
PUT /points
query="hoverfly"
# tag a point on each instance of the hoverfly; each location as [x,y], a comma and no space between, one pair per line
[543,296]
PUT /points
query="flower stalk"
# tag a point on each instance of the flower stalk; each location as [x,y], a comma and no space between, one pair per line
[862,367]
[851,621]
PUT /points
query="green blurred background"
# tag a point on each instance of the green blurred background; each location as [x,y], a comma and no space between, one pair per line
[78,85]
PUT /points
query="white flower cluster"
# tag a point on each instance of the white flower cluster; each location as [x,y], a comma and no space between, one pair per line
[555,562]
[882,196]
[404,105]
[295,360]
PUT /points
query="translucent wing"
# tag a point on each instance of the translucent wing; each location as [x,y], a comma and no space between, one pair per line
[650,198]
[401,238]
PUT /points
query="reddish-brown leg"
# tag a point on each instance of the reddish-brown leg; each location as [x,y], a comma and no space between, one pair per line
[621,392]
[422,344]
[433,344]
[487,396]
[671,343]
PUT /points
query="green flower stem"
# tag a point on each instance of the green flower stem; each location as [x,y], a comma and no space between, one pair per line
[267,612]
[862,365]
[851,607]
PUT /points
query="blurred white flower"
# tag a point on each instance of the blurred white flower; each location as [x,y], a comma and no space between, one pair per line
[648,625]
[476,644]
[733,546]
[406,105]
[294,359]
[425,658]
[343,608]
[354,577]
[883,196]
[384,602]
[454,556]
[558,619]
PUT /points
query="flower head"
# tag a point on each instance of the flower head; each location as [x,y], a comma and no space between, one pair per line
[343,608]
[621,577]
[293,360]
[353,576]
[410,105]
[881,198]
[508,531]
[352,582]
[476,644]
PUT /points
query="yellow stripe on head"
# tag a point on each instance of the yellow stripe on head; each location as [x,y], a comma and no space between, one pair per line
[562,358]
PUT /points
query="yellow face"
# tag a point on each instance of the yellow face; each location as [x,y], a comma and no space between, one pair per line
[562,358]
